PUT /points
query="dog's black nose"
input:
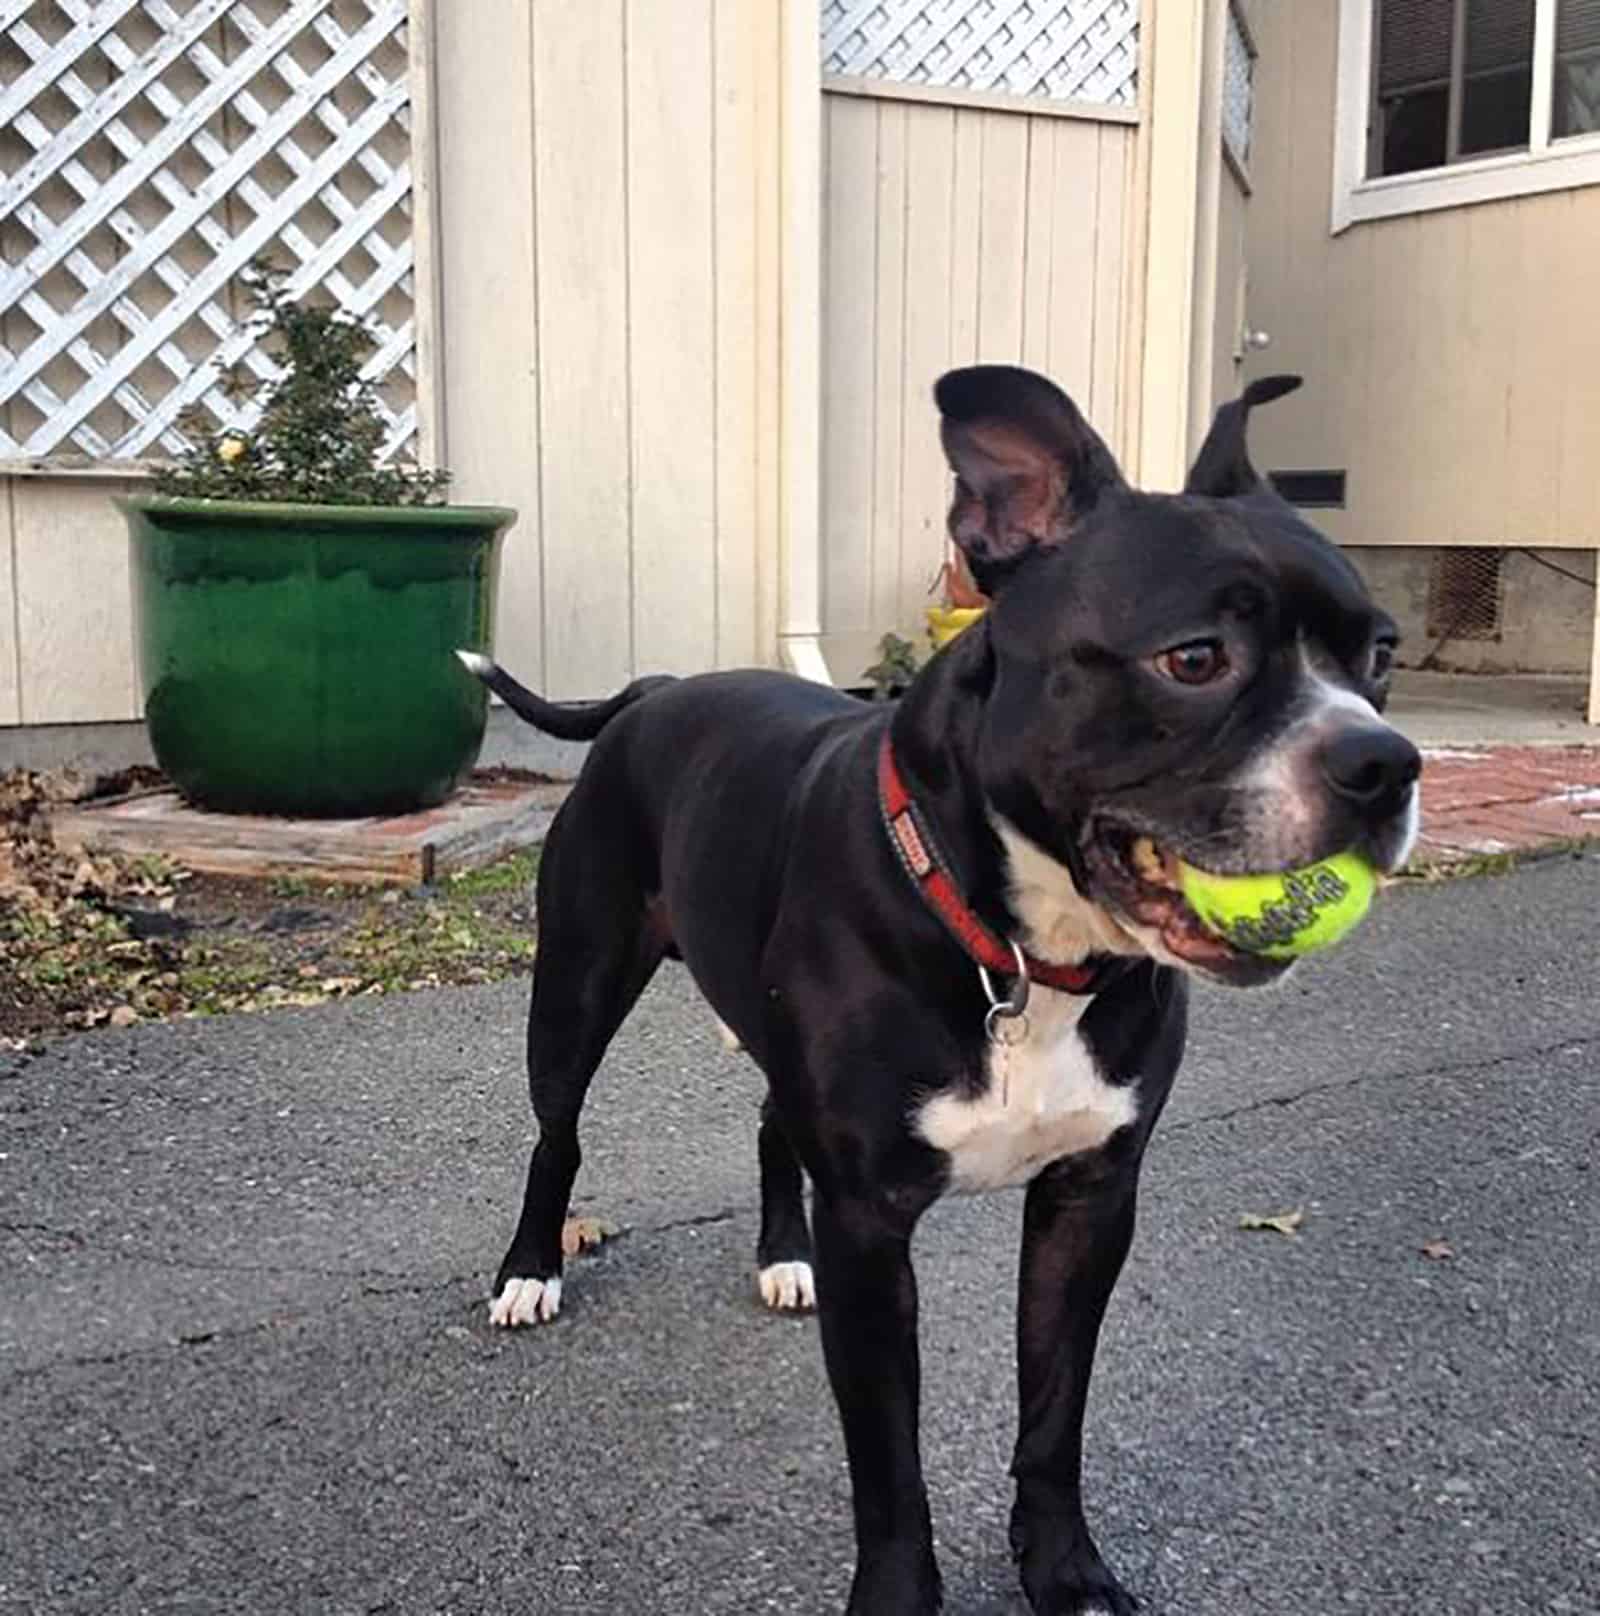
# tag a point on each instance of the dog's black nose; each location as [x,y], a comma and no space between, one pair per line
[1367,764]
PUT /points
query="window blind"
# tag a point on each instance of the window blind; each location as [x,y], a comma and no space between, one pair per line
[1499,35]
[1413,43]
[1577,27]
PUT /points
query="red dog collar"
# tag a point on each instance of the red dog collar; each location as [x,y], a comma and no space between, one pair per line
[913,841]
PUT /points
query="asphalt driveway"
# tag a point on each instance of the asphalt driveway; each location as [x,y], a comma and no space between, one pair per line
[245,1365]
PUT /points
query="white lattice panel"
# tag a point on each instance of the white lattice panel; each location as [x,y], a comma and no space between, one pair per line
[1064,50]
[149,149]
[1238,89]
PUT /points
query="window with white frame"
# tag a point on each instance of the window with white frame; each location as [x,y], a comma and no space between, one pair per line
[1449,102]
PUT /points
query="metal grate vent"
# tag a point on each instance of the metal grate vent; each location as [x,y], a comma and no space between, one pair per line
[1466,592]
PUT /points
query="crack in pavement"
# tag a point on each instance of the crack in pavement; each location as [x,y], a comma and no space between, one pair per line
[199,1336]
[369,1279]
[369,1286]
[1280,1102]
[378,1283]
[71,1237]
[697,1220]
[155,1259]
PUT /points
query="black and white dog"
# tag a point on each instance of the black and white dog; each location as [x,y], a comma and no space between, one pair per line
[949,931]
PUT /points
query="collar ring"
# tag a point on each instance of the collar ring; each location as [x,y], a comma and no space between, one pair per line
[1007,1021]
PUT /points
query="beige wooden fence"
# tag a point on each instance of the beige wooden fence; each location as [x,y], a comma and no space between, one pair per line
[664,287]
[955,234]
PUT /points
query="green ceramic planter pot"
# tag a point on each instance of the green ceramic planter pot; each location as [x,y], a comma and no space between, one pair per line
[297,659]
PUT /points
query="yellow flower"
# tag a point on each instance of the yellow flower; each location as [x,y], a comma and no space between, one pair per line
[230,448]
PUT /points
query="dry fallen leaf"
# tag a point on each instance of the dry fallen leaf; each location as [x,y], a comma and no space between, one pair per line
[1438,1250]
[1279,1223]
[584,1234]
[65,785]
[123,1016]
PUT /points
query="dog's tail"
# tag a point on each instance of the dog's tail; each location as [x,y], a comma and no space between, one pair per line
[1222,468]
[566,721]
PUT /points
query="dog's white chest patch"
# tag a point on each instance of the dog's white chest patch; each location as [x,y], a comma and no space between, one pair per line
[1045,1099]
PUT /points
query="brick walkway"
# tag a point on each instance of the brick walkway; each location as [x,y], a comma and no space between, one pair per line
[1506,799]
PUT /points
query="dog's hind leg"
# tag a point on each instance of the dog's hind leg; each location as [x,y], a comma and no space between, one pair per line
[783,1252]
[599,946]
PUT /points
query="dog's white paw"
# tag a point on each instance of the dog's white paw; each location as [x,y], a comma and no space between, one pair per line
[526,1301]
[730,1039]
[787,1287]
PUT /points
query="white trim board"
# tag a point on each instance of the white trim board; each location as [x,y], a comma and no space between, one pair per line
[1547,165]
[941,95]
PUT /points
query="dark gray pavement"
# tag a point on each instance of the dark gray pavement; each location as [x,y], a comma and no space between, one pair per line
[245,1366]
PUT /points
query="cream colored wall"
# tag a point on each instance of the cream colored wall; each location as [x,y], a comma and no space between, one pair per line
[1227,323]
[66,622]
[1209,171]
[608,251]
[10,660]
[1452,359]
[952,234]
[1170,289]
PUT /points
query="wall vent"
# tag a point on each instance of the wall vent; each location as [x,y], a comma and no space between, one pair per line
[1311,490]
[1466,591]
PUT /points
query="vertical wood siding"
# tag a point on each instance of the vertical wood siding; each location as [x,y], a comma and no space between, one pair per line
[952,235]
[609,335]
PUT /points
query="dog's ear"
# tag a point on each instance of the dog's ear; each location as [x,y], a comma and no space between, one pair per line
[1222,469]
[1028,466]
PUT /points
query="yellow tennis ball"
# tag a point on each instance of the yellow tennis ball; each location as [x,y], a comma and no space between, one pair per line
[1285,915]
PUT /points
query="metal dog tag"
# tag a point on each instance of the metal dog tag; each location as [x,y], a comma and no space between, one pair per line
[1007,1021]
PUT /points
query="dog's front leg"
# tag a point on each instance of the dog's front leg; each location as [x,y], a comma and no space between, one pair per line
[1076,1232]
[867,1305]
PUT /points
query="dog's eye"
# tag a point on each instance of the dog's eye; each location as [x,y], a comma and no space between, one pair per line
[1197,663]
[1382,661]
